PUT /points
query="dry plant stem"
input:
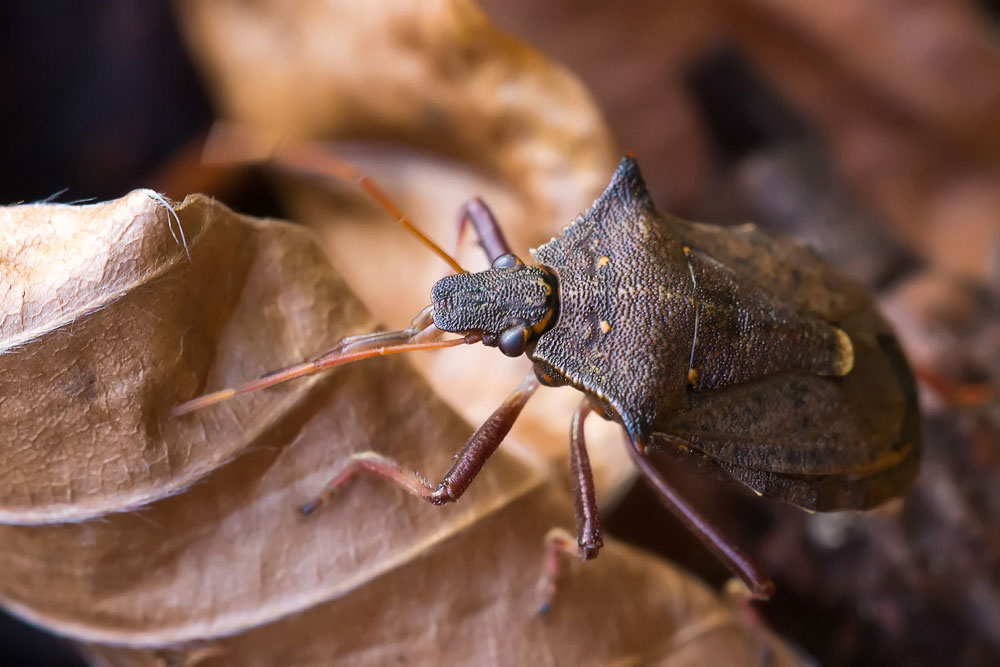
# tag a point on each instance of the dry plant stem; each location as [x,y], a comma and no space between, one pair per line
[759,584]
[468,462]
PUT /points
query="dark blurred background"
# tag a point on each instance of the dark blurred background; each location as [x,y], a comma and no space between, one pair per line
[867,128]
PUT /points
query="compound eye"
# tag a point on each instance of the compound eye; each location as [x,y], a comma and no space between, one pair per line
[513,340]
[505,261]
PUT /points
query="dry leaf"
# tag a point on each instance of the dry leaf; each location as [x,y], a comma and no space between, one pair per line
[908,96]
[97,316]
[460,110]
[634,59]
[223,571]
[450,607]
[435,75]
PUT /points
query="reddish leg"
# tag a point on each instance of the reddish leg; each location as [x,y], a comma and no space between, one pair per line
[588,520]
[758,583]
[468,462]
[487,229]
[588,523]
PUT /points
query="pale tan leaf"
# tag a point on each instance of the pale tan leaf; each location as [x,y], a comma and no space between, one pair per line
[626,608]
[103,328]
[224,571]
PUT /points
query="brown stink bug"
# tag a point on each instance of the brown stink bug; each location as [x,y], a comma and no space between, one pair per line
[744,352]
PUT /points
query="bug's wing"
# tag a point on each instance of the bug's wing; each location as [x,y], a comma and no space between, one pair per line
[748,332]
[790,271]
[829,493]
[817,442]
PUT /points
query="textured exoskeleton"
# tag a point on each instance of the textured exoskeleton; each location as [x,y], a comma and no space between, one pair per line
[744,352]
[747,350]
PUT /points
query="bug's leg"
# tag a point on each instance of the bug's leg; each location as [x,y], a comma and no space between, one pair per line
[588,522]
[759,584]
[468,462]
[420,329]
[487,229]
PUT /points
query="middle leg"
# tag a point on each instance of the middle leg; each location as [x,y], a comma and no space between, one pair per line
[588,522]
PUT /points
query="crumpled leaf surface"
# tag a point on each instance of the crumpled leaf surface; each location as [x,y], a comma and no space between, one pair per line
[223,571]
[458,110]
[96,317]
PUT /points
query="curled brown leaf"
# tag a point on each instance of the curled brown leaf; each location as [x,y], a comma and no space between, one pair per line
[100,333]
[223,571]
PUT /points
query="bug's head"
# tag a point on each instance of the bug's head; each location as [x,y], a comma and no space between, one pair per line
[511,304]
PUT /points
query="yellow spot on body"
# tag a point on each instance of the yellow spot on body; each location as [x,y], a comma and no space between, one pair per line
[605,327]
[687,250]
[845,350]
[603,261]
[693,375]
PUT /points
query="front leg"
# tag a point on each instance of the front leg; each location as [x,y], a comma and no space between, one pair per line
[468,462]
[487,229]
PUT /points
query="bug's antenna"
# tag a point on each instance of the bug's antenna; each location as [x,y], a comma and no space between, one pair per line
[230,143]
[341,354]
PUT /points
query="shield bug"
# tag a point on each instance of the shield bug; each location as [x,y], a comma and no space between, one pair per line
[745,353]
